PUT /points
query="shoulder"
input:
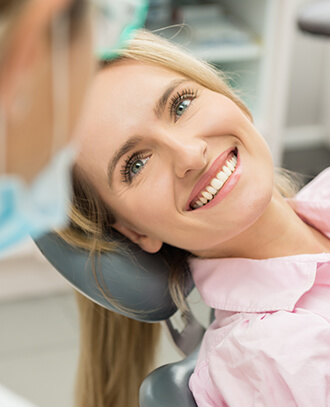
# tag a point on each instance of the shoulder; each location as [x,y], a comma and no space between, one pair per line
[317,189]
[312,203]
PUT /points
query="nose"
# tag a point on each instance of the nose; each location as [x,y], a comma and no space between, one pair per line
[187,154]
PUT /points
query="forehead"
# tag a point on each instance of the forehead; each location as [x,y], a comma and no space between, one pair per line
[132,78]
[124,94]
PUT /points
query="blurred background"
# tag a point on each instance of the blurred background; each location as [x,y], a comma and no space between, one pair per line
[284,77]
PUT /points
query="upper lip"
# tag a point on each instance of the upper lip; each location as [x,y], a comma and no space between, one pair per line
[206,178]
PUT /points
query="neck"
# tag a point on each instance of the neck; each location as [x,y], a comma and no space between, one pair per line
[278,232]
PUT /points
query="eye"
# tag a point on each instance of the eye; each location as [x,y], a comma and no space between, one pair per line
[133,166]
[182,107]
[138,165]
[181,101]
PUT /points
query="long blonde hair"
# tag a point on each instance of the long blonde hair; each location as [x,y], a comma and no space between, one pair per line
[117,352]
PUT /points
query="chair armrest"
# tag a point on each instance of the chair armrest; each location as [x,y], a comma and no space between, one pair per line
[167,386]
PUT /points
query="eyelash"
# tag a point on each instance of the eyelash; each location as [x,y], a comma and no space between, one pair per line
[126,168]
[179,97]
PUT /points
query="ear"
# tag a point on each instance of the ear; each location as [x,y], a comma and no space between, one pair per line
[148,244]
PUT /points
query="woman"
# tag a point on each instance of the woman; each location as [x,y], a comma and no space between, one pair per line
[176,160]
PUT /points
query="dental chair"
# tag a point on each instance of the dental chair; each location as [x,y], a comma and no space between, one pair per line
[139,282]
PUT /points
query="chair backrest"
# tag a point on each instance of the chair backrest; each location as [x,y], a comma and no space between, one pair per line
[138,281]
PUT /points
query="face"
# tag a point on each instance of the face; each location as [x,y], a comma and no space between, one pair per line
[155,146]
[28,100]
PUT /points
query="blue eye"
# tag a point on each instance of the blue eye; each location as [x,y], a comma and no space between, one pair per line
[181,101]
[182,107]
[137,165]
[133,166]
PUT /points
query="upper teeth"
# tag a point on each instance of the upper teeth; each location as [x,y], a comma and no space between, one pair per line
[216,183]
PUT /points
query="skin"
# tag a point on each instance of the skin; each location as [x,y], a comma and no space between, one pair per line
[26,86]
[253,220]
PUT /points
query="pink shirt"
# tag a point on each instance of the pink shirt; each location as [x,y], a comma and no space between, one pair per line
[270,342]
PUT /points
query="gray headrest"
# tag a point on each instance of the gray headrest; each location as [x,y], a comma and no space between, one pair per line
[138,281]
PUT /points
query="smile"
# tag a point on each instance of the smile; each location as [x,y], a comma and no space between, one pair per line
[217,183]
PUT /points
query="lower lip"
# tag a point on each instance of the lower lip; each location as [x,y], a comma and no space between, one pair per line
[226,189]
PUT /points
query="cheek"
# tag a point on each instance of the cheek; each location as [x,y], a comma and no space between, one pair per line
[222,113]
[153,212]
[145,209]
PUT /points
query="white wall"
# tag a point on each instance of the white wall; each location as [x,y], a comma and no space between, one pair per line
[307,119]
[306,80]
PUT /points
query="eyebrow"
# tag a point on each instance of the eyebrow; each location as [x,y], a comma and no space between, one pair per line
[133,141]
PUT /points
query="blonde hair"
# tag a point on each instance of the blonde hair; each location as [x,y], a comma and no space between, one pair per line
[116,353]
[106,375]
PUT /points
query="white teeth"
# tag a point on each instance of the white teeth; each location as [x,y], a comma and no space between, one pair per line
[216,183]
[222,176]
[230,166]
[211,190]
[226,170]
[198,204]
[207,195]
